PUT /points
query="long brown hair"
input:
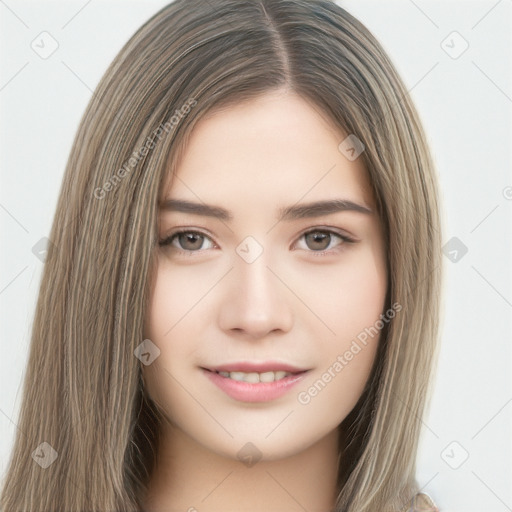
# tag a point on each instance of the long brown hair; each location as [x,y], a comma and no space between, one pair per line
[88,434]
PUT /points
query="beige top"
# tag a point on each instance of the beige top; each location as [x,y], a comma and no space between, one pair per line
[422,503]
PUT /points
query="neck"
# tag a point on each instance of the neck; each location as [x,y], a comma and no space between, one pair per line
[189,477]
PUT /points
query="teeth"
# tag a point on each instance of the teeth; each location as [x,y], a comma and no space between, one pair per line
[269,376]
[254,377]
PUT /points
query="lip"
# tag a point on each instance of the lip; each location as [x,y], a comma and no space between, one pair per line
[247,367]
[254,392]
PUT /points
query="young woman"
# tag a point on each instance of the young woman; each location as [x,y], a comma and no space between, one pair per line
[239,307]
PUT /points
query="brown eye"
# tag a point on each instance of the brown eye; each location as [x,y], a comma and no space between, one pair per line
[318,240]
[190,241]
[186,241]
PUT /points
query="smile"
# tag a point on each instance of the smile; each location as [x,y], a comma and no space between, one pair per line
[254,377]
[254,386]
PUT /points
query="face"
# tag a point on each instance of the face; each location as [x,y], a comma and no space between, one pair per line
[259,284]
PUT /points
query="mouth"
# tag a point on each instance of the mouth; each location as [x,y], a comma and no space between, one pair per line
[253,372]
[243,383]
[257,377]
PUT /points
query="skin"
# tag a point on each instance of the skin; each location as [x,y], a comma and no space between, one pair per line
[212,307]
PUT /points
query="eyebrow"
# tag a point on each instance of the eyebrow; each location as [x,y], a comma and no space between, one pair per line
[298,211]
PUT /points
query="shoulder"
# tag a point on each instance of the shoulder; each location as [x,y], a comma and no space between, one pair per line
[422,503]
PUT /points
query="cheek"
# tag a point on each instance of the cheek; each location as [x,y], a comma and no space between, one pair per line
[175,298]
[351,300]
[345,298]
[174,301]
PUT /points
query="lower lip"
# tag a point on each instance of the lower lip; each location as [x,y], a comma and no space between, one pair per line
[254,392]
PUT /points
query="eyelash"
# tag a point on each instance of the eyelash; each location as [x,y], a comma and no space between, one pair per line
[346,240]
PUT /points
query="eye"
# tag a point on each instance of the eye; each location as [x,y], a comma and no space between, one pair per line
[186,241]
[320,241]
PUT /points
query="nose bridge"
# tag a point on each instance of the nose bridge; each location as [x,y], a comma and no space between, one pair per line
[255,278]
[256,301]
[253,257]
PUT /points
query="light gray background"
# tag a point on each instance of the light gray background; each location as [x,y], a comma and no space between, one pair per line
[465,104]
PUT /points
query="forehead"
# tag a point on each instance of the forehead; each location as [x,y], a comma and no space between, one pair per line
[265,150]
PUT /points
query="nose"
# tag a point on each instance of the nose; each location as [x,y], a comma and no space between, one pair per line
[256,302]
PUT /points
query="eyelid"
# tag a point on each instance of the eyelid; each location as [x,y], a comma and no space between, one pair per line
[332,230]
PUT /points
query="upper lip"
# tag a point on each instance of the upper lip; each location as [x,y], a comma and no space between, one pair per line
[248,367]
